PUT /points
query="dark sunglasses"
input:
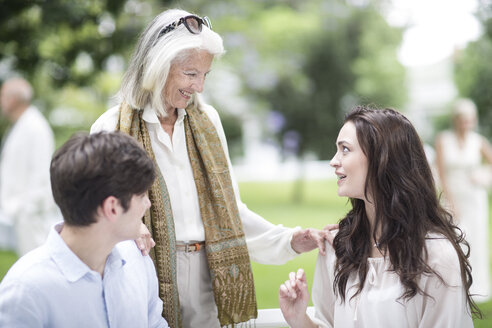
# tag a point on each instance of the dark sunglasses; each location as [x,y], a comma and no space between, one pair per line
[193,24]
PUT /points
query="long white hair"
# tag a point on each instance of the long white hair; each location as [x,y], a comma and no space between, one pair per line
[149,66]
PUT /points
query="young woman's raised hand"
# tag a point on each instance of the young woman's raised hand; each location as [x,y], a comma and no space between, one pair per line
[293,298]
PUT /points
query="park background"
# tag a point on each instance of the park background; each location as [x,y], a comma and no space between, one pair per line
[291,71]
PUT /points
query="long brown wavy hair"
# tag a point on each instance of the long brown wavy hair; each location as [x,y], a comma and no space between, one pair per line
[407,207]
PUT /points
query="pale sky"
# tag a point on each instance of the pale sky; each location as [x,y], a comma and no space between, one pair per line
[436,28]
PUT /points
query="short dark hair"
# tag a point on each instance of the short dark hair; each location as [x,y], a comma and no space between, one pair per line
[89,168]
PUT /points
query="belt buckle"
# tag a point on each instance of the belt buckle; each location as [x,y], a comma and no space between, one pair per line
[190,248]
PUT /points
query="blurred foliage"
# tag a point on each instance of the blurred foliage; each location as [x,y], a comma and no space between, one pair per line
[71,40]
[308,61]
[72,52]
[351,59]
[442,121]
[473,72]
[233,131]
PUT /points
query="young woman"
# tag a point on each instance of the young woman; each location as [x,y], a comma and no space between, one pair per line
[397,259]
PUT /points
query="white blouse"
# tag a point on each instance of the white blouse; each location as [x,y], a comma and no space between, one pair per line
[267,243]
[378,305]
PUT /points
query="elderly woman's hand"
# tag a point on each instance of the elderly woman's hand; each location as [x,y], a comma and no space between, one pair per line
[306,240]
[145,241]
[328,229]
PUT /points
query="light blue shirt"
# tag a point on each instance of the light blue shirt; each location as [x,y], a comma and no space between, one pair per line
[51,287]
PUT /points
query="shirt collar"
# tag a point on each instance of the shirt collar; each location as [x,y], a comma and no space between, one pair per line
[69,264]
[115,260]
[149,115]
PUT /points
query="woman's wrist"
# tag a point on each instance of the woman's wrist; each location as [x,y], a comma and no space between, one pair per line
[302,322]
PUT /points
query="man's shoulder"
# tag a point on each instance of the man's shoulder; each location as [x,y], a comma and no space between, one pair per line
[130,252]
[128,248]
[33,269]
[133,257]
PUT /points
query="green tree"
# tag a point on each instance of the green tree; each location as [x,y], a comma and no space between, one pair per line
[351,60]
[59,34]
[63,48]
[67,49]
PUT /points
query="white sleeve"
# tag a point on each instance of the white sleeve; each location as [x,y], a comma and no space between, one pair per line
[267,243]
[107,121]
[322,290]
[446,304]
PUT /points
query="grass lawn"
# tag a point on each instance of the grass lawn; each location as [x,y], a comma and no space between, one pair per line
[321,206]
[6,261]
[272,200]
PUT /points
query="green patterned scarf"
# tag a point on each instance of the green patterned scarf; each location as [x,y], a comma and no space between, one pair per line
[227,253]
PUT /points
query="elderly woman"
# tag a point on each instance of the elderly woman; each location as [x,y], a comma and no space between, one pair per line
[204,234]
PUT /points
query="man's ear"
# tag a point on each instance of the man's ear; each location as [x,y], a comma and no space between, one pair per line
[110,208]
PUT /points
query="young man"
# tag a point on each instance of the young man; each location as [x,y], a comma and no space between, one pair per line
[90,273]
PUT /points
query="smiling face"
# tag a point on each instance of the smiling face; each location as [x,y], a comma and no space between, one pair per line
[186,77]
[350,163]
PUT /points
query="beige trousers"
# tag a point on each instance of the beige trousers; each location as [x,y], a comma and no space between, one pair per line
[196,296]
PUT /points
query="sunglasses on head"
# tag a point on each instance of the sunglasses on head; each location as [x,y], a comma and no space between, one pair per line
[193,24]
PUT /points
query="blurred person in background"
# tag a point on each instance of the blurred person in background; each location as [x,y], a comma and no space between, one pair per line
[26,203]
[397,258]
[464,179]
[204,234]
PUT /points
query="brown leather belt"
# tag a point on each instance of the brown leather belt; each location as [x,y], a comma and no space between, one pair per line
[190,247]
